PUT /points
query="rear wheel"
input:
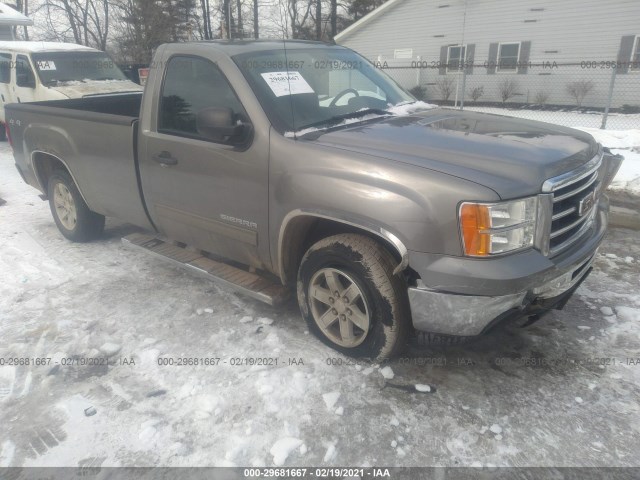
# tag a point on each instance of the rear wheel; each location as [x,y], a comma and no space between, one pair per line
[70,212]
[3,132]
[351,299]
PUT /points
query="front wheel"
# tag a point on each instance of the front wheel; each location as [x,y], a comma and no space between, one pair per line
[70,212]
[351,299]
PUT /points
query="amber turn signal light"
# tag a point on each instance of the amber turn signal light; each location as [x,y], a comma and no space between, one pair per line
[474,220]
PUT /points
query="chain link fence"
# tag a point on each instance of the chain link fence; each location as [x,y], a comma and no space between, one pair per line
[586,94]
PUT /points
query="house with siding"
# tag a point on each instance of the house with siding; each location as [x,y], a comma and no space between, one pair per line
[541,47]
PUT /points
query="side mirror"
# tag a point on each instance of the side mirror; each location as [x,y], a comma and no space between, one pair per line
[23,79]
[218,124]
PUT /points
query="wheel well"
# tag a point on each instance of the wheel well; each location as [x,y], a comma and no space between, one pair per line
[305,230]
[44,165]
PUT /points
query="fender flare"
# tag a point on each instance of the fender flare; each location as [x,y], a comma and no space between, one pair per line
[386,235]
[36,171]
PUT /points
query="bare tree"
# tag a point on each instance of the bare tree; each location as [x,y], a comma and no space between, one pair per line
[205,12]
[278,24]
[256,22]
[508,88]
[445,87]
[579,89]
[298,12]
[226,30]
[541,97]
[239,26]
[318,19]
[334,18]
[86,21]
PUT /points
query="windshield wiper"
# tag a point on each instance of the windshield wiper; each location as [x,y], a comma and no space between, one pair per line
[336,119]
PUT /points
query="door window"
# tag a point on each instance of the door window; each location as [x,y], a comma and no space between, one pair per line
[5,67]
[24,73]
[192,84]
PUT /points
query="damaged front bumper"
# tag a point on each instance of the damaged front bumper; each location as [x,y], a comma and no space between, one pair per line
[479,294]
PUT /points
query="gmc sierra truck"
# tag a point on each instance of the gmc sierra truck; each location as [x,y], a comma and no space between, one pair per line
[275,167]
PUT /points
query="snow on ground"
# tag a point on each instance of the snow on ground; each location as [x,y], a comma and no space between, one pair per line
[64,304]
[616,121]
[616,139]
[627,144]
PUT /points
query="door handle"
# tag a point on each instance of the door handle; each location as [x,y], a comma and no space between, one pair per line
[165,159]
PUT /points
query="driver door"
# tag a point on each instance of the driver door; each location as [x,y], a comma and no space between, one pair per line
[202,190]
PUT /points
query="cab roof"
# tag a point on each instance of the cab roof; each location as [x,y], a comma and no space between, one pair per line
[235,47]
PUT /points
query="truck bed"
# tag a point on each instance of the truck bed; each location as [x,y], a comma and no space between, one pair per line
[95,138]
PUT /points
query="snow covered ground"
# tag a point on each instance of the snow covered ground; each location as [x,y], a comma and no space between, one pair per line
[627,144]
[563,392]
[615,121]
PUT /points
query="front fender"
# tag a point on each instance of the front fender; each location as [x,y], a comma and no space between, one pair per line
[416,206]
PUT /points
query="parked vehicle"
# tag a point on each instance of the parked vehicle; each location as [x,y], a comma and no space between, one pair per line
[37,71]
[300,166]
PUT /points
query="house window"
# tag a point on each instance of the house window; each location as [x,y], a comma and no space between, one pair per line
[455,57]
[635,55]
[508,55]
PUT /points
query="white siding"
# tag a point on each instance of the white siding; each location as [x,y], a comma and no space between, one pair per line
[575,30]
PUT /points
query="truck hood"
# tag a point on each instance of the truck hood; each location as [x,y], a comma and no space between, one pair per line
[82,89]
[511,156]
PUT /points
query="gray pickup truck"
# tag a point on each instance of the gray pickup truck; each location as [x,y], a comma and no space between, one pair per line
[275,167]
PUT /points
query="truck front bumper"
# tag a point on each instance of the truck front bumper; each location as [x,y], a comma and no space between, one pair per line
[465,297]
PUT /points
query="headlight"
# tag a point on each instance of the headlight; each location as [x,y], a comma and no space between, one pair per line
[494,228]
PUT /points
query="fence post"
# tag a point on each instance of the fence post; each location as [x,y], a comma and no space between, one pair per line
[605,116]
[464,87]
[418,72]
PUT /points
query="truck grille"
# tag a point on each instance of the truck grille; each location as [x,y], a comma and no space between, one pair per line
[574,208]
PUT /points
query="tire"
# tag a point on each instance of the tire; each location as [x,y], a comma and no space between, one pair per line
[80,224]
[358,266]
[3,132]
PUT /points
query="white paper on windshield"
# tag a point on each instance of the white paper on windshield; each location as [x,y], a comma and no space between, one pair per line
[45,65]
[287,83]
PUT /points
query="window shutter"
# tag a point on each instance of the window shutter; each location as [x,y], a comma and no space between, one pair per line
[442,70]
[523,59]
[471,53]
[493,58]
[624,53]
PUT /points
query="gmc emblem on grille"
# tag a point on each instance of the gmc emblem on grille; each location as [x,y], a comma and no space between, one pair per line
[586,203]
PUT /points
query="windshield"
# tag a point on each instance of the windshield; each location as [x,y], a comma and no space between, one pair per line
[318,87]
[75,66]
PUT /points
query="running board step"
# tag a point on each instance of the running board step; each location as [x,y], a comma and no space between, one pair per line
[225,275]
